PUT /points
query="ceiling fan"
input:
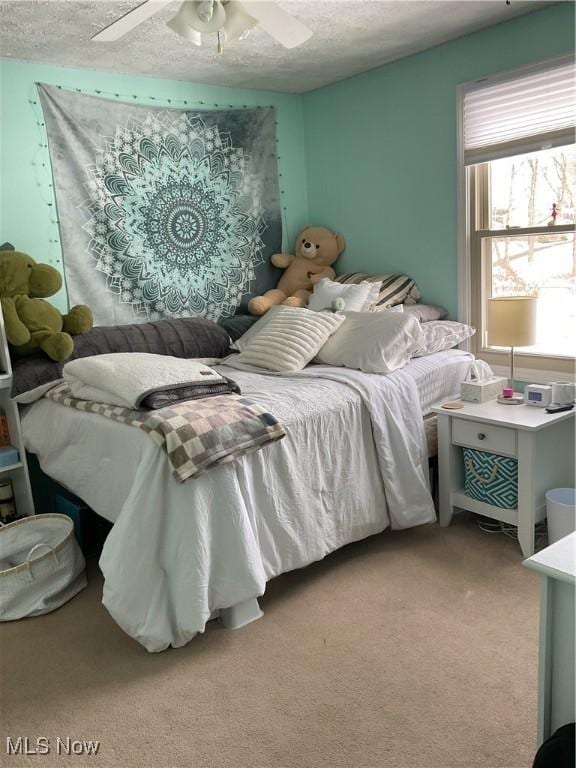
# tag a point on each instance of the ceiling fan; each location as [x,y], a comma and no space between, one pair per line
[229,19]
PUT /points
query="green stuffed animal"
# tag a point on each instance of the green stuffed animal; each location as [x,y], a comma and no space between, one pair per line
[32,323]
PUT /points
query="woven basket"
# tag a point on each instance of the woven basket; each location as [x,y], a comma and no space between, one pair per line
[491,478]
[41,566]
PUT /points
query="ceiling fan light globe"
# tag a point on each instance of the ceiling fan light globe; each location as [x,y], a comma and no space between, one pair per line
[179,25]
[190,25]
[238,22]
[205,10]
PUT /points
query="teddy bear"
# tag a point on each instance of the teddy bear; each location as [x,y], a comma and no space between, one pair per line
[32,323]
[316,249]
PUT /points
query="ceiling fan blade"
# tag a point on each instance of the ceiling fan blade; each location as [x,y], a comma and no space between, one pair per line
[278,23]
[132,19]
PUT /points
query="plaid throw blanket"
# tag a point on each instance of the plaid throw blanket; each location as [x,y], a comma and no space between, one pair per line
[197,434]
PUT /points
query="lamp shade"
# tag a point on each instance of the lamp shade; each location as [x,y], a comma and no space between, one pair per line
[512,321]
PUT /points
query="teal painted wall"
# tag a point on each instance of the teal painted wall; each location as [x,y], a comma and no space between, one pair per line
[373,156]
[26,219]
[381,149]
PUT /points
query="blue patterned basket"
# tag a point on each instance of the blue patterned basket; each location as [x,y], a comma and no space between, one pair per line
[491,478]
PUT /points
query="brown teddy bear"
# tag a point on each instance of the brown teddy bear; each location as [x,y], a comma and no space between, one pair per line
[316,249]
[32,323]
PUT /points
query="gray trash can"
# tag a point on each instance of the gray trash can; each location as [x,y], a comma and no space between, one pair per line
[561,513]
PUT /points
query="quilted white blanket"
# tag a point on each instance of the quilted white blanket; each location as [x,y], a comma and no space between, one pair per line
[127,378]
[353,463]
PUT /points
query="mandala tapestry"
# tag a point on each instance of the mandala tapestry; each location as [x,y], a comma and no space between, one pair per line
[163,212]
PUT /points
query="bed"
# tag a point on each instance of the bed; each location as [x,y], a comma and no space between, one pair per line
[353,463]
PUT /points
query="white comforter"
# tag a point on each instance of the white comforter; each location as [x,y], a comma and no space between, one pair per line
[352,463]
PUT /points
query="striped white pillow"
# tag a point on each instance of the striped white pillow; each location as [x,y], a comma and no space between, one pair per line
[288,340]
[395,289]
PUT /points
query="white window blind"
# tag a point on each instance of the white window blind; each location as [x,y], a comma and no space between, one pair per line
[520,114]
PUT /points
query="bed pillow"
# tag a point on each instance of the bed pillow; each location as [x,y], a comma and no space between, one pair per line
[288,340]
[359,297]
[240,344]
[183,337]
[373,342]
[237,325]
[394,289]
[443,334]
[426,312]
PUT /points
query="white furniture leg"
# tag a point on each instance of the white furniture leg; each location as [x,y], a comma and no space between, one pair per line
[445,470]
[526,492]
[544,660]
[449,469]
[241,614]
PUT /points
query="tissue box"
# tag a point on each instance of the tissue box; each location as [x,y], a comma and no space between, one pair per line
[482,390]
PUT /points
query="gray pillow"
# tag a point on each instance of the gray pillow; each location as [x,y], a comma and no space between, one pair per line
[237,325]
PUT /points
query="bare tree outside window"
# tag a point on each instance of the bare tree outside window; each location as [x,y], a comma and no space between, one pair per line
[532,191]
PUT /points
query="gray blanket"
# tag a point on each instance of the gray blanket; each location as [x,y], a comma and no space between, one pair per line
[164,397]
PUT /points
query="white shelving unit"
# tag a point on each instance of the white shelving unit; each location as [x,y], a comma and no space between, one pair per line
[17,473]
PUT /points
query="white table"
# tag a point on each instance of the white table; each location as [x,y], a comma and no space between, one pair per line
[556,675]
[542,443]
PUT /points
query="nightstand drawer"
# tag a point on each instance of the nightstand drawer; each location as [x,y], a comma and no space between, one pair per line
[474,434]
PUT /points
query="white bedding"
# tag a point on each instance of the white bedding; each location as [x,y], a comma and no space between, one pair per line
[352,463]
[439,376]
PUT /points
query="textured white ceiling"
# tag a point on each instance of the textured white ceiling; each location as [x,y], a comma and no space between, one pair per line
[350,36]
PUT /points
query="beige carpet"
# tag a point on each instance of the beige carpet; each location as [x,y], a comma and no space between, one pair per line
[414,649]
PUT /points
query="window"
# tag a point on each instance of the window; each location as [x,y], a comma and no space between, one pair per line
[520,178]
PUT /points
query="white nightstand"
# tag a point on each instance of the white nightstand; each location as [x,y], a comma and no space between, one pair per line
[542,443]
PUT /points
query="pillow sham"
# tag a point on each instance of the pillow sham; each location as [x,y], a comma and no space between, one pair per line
[394,289]
[373,342]
[287,341]
[182,337]
[359,297]
[443,334]
[426,312]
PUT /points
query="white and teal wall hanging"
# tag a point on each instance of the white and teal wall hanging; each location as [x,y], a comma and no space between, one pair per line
[163,212]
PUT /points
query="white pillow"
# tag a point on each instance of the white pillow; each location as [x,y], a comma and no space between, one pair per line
[373,342]
[425,313]
[357,298]
[443,334]
[254,330]
[289,339]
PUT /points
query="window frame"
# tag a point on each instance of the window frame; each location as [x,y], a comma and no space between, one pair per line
[480,207]
[473,211]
